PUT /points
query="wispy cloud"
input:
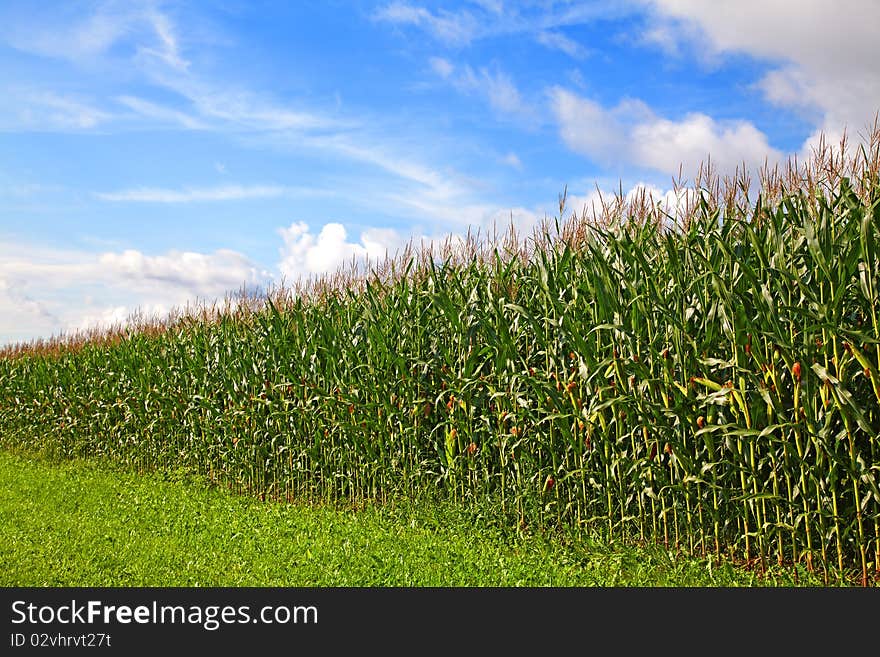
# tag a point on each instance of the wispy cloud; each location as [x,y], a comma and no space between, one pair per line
[228,108]
[499,88]
[40,110]
[142,41]
[494,85]
[454,28]
[260,119]
[490,18]
[193,195]
[85,38]
[558,41]
[114,36]
[167,46]
[441,66]
[492,6]
[512,160]
[24,190]
[66,35]
[145,108]
[421,192]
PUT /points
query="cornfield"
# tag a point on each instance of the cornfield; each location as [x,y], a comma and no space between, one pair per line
[708,379]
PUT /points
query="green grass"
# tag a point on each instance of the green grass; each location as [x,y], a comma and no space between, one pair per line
[80,523]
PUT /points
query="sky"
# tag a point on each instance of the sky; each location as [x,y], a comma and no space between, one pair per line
[155,154]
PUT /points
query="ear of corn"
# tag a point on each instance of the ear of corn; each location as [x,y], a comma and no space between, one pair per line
[708,380]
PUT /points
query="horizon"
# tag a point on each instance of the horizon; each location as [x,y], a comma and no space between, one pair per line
[154,153]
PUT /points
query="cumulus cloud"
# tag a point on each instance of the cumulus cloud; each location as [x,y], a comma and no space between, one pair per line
[305,254]
[22,317]
[115,316]
[824,53]
[631,133]
[202,274]
[45,292]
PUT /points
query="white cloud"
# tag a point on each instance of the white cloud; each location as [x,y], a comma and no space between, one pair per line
[151,110]
[589,205]
[676,203]
[28,109]
[451,211]
[492,18]
[631,133]
[228,108]
[495,86]
[664,37]
[27,189]
[429,192]
[501,92]
[442,67]
[139,38]
[266,122]
[522,221]
[455,28]
[203,274]
[492,6]
[45,292]
[305,254]
[191,195]
[558,41]
[68,36]
[512,160]
[114,316]
[663,144]
[245,110]
[84,38]
[827,52]
[258,119]
[22,317]
[167,48]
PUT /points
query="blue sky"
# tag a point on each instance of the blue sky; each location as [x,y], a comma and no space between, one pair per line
[153,153]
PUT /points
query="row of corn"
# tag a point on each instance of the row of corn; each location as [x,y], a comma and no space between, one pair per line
[713,384]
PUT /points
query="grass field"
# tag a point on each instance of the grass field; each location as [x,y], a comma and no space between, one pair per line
[79,523]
